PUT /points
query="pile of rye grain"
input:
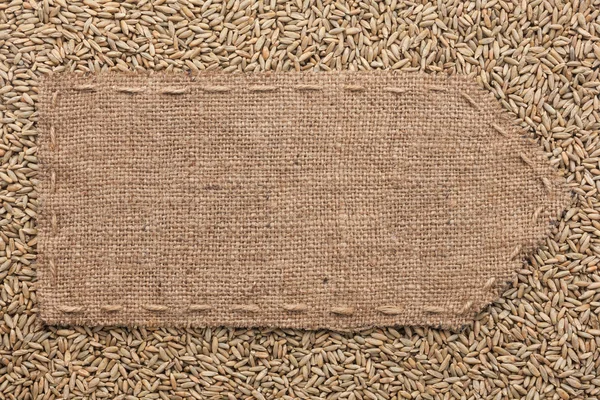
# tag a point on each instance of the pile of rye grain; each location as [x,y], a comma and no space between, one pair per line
[539,58]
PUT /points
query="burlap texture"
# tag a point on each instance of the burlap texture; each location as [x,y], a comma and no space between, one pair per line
[340,200]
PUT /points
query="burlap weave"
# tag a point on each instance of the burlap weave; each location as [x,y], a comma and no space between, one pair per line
[340,200]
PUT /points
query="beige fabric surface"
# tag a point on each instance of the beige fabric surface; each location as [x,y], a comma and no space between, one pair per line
[340,200]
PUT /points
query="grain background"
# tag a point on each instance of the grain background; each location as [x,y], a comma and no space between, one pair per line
[539,58]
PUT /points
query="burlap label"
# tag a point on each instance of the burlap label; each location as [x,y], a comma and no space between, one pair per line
[341,200]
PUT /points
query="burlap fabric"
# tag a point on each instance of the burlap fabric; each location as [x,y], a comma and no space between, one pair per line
[292,200]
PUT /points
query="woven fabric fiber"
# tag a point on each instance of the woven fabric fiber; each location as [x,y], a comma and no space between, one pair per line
[340,200]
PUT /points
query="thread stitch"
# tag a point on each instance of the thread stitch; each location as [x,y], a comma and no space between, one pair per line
[52,181]
[52,138]
[53,271]
[490,282]
[111,308]
[54,224]
[515,252]
[547,184]
[390,310]
[199,307]
[466,307]
[308,87]
[251,308]
[295,307]
[354,88]
[155,307]
[71,309]
[85,88]
[394,90]
[130,90]
[215,89]
[174,91]
[54,99]
[537,213]
[499,129]
[526,160]
[472,102]
[342,310]
[437,89]
[260,88]
[434,310]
